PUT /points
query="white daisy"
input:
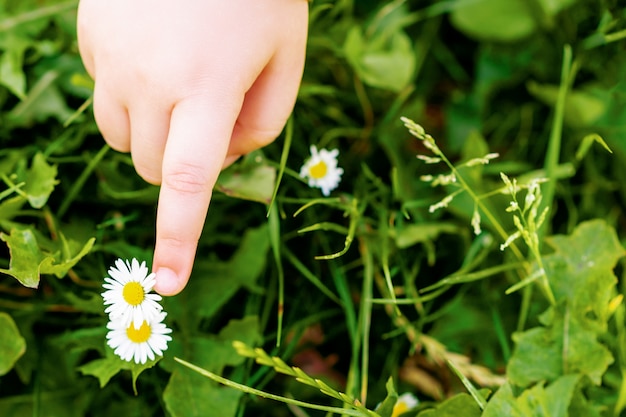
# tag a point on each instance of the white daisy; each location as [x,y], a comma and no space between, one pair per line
[128,293]
[321,170]
[139,343]
[406,402]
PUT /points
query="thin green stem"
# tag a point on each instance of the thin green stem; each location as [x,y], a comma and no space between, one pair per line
[36,14]
[80,182]
[263,394]
[554,146]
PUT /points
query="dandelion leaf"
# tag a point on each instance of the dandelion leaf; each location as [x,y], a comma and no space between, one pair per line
[29,261]
[460,405]
[214,352]
[12,344]
[580,273]
[249,180]
[543,349]
[40,181]
[554,400]
[581,270]
[190,394]
[11,67]
[106,368]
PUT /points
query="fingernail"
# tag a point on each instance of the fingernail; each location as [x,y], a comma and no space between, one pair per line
[167,282]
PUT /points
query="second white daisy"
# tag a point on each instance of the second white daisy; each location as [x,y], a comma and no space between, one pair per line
[128,294]
[139,343]
[321,170]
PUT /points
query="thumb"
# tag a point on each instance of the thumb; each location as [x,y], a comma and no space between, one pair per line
[194,154]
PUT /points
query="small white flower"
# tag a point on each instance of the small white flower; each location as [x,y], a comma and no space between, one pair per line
[139,343]
[128,293]
[321,170]
[405,402]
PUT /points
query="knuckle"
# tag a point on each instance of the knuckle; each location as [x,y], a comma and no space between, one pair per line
[186,178]
[259,136]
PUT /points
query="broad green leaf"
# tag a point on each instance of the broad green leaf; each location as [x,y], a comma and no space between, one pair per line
[26,257]
[537,357]
[494,20]
[249,180]
[11,72]
[538,401]
[190,394]
[12,344]
[214,352]
[559,395]
[503,403]
[103,369]
[581,270]
[40,181]
[28,260]
[460,405]
[580,273]
[386,62]
[563,348]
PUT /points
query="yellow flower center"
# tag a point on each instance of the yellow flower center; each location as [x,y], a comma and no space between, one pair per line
[133,293]
[318,170]
[140,335]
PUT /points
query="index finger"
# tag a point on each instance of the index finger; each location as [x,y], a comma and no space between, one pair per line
[196,147]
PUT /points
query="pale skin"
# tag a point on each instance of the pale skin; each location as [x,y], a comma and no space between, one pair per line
[187,87]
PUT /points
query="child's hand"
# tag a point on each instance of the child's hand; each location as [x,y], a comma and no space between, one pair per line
[187,87]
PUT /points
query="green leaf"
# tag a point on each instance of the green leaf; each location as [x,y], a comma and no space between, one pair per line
[494,20]
[460,405]
[250,180]
[580,273]
[387,61]
[40,181]
[11,67]
[565,347]
[12,344]
[538,401]
[385,409]
[190,394]
[26,257]
[542,349]
[581,270]
[106,368]
[503,403]
[28,260]
[214,352]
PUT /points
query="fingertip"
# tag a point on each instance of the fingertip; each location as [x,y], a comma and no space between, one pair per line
[168,282]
